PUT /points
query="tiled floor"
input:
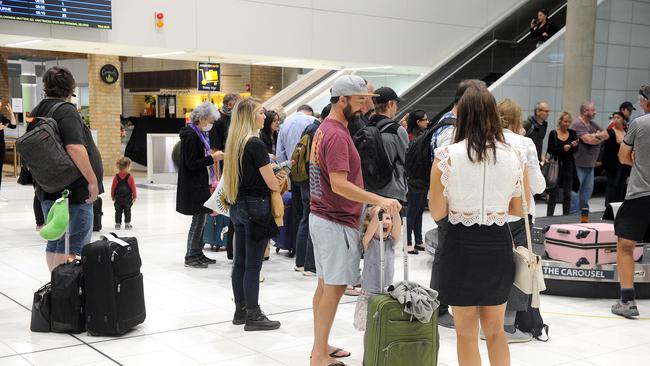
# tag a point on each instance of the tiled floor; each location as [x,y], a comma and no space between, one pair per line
[188,310]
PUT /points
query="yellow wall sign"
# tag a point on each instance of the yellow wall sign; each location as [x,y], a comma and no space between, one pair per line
[208,76]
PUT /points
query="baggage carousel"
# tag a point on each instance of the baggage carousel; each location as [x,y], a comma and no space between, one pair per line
[572,279]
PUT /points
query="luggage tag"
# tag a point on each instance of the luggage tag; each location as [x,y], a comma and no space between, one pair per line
[115,239]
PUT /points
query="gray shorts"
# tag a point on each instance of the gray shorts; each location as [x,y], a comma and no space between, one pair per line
[336,251]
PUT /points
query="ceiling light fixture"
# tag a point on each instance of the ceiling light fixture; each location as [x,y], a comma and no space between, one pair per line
[24,43]
[165,54]
[276,62]
[367,68]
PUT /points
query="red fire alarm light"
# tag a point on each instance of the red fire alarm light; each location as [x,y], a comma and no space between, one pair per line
[159,19]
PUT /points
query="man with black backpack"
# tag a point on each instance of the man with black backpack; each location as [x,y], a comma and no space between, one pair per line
[75,137]
[382,146]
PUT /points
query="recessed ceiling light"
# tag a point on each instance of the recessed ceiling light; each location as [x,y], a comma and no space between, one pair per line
[368,68]
[165,54]
[23,43]
[276,62]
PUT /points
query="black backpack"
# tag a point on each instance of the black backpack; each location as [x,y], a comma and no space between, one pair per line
[44,154]
[122,190]
[418,157]
[376,167]
[530,321]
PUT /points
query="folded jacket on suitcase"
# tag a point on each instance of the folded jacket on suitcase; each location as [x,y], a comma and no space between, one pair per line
[114,287]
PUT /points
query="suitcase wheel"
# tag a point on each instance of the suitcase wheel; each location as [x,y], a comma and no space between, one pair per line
[582,261]
[582,234]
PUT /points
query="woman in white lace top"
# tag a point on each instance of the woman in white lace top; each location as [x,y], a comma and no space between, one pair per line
[477,183]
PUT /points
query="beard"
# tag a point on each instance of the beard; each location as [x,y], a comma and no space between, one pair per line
[348,114]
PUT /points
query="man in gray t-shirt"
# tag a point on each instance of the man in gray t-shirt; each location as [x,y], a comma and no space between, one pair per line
[632,223]
[591,137]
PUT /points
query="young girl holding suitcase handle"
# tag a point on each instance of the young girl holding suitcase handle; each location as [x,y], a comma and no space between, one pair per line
[371,276]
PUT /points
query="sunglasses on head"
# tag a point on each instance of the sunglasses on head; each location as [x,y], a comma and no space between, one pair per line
[641,93]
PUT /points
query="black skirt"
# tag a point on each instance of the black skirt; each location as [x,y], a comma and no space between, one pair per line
[476,266]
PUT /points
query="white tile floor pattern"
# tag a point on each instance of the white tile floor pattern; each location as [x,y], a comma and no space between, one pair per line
[189,310]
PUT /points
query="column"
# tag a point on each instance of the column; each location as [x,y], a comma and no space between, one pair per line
[105,109]
[579,53]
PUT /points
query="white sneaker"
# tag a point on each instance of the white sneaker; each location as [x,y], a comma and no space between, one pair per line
[299,269]
[4,199]
[309,274]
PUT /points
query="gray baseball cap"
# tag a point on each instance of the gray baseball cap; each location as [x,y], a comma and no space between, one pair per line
[349,85]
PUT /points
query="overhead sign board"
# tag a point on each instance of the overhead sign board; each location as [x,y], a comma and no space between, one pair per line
[208,76]
[78,13]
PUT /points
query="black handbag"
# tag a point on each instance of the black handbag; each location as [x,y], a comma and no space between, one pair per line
[25,177]
[41,309]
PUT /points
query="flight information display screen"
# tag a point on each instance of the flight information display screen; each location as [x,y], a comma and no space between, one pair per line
[89,13]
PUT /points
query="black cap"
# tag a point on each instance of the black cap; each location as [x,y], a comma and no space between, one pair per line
[627,105]
[385,95]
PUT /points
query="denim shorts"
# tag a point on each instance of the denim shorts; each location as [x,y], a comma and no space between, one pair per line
[81,228]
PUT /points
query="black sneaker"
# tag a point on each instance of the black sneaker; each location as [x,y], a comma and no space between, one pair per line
[240,315]
[203,258]
[419,247]
[195,262]
[256,320]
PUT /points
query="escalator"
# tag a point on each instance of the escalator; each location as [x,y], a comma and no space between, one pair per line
[488,58]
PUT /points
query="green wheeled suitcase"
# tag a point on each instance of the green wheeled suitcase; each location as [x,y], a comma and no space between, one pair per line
[393,337]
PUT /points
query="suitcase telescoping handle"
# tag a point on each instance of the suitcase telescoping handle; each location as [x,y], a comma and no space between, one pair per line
[65,195]
[382,252]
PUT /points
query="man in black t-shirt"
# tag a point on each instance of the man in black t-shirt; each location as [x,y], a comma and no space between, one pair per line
[59,86]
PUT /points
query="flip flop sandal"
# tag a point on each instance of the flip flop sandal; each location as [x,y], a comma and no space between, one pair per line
[336,351]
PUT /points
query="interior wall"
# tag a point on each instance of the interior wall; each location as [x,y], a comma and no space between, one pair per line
[418,32]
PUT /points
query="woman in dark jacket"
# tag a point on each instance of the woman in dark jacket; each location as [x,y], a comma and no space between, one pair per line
[416,124]
[196,173]
[562,144]
[617,173]
[269,133]
[541,28]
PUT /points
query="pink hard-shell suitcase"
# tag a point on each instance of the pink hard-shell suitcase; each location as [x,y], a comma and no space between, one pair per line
[584,243]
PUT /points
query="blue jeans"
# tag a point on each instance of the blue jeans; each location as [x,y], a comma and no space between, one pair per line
[249,253]
[304,245]
[81,227]
[414,211]
[586,177]
[195,236]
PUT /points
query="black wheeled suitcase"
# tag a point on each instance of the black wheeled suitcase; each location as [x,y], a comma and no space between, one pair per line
[114,286]
[97,214]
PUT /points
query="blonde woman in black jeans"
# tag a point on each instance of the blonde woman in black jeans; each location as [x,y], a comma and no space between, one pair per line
[562,144]
[248,182]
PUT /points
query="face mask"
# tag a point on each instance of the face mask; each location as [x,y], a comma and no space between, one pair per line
[226,110]
[207,128]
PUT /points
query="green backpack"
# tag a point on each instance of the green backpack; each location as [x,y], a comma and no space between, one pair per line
[301,155]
